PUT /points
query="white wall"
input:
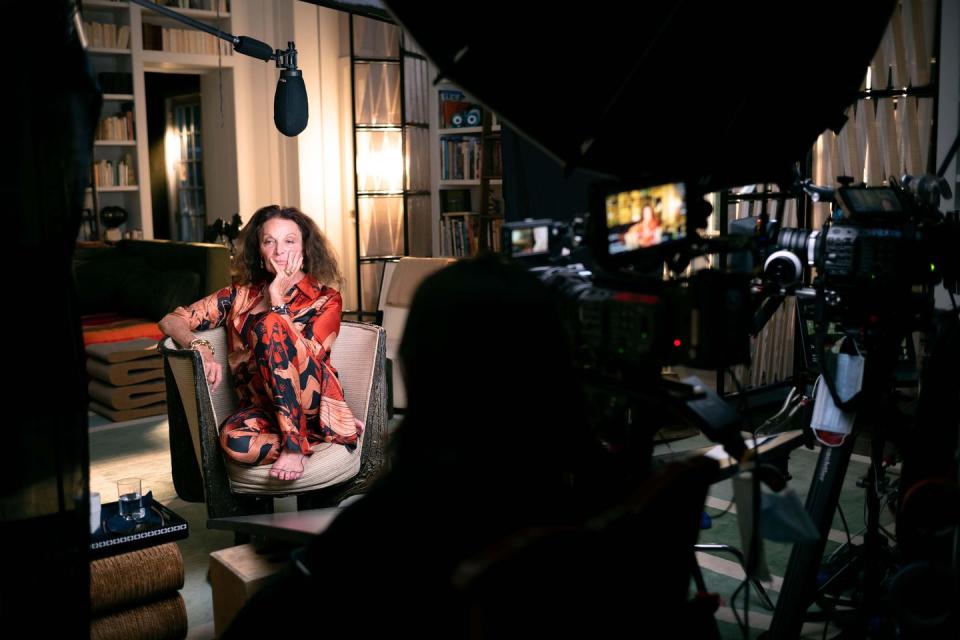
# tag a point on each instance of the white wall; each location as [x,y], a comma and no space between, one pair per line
[219,145]
[306,171]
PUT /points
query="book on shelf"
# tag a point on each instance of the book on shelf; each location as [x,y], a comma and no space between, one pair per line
[460,157]
[119,174]
[117,128]
[459,233]
[118,535]
[170,40]
[457,111]
[107,35]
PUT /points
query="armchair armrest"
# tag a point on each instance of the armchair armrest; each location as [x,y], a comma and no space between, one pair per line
[194,414]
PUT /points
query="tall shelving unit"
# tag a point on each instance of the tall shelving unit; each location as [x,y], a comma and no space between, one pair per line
[468,206]
[115,32]
[116,177]
[391,153]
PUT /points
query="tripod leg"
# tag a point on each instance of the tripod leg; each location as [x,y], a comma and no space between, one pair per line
[799,584]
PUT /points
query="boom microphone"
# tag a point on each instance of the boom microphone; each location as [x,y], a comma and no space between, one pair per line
[290,103]
[290,100]
[252,47]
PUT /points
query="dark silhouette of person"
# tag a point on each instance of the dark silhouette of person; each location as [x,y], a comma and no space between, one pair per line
[490,445]
[488,522]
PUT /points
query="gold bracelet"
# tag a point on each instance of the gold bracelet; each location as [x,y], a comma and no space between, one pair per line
[202,342]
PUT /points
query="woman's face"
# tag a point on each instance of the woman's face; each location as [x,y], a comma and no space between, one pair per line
[279,240]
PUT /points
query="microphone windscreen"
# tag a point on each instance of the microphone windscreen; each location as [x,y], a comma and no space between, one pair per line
[254,48]
[290,103]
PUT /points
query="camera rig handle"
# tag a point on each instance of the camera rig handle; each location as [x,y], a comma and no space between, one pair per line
[817,193]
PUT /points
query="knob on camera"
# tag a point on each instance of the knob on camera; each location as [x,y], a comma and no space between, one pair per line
[783,268]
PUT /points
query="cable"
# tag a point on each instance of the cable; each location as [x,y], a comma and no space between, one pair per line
[846,528]
[793,403]
[722,513]
[744,406]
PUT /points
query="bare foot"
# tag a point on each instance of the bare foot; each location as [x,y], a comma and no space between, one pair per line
[289,466]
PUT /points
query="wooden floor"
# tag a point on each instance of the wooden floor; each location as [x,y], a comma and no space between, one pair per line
[140,448]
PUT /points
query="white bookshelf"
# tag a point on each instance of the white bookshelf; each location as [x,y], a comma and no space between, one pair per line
[136,61]
[473,185]
[126,189]
[105,5]
[108,51]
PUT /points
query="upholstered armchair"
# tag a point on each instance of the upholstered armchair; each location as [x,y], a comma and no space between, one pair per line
[400,282]
[331,474]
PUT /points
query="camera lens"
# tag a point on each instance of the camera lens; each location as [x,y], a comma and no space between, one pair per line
[793,240]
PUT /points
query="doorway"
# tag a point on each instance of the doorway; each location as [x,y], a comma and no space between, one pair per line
[174,134]
[186,208]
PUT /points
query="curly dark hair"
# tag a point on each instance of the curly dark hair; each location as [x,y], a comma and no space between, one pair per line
[319,258]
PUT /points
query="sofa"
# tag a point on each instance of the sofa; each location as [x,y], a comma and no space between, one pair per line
[125,288]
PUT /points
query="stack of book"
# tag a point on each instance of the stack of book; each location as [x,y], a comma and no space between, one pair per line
[126,379]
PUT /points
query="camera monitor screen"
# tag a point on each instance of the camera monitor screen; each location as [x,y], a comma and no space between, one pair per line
[869,200]
[642,218]
[528,238]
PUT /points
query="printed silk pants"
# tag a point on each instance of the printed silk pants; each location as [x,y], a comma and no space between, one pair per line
[287,387]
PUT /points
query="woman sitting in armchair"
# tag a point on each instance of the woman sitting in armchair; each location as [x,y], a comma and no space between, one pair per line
[282,319]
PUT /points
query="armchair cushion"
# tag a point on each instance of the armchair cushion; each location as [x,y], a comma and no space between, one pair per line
[354,353]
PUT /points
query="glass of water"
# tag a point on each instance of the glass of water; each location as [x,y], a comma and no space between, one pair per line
[131,500]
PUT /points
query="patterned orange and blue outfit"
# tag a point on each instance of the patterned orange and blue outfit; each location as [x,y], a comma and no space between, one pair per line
[288,391]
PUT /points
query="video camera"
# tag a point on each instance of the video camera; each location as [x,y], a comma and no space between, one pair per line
[875,264]
[623,313]
[882,248]
[627,321]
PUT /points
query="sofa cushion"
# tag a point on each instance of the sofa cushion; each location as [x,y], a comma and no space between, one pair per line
[99,277]
[103,328]
[150,293]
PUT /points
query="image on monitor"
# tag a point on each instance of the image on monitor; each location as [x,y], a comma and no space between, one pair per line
[642,218]
[532,240]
